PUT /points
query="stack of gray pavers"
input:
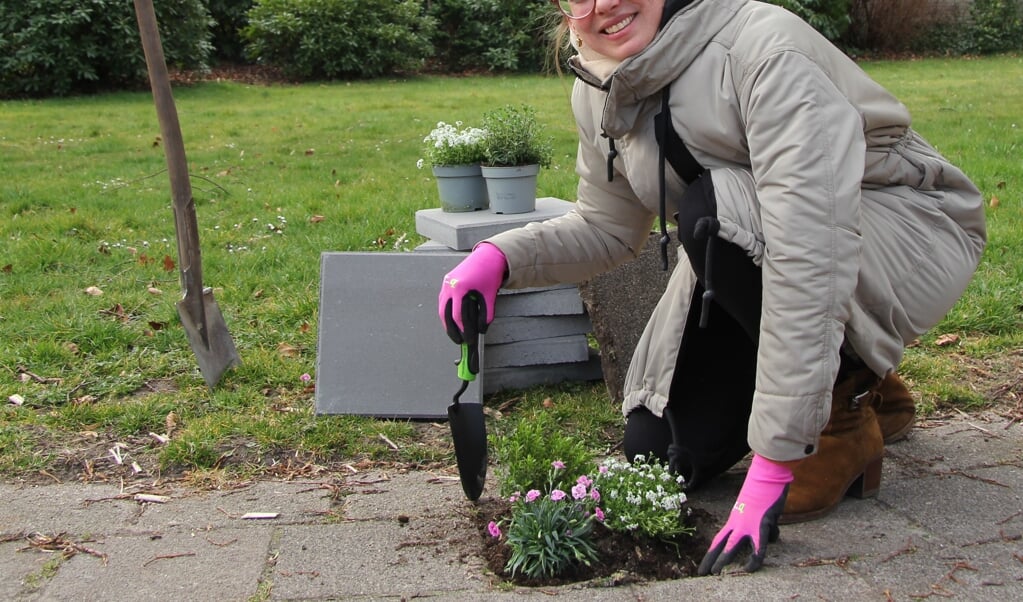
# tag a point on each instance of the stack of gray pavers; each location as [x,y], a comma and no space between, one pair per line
[539,335]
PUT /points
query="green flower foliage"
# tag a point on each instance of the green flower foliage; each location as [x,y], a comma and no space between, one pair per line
[526,454]
[514,137]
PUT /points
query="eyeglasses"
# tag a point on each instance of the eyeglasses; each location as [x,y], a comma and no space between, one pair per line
[575,9]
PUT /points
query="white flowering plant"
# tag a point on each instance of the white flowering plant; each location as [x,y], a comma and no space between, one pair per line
[643,498]
[453,144]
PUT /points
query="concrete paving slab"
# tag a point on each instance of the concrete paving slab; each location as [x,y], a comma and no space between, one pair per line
[412,496]
[21,569]
[537,352]
[375,558]
[68,508]
[773,583]
[550,302]
[522,328]
[992,496]
[376,331]
[219,565]
[522,377]
[461,231]
[294,502]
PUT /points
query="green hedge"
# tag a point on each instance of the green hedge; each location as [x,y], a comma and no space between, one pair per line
[63,47]
[327,39]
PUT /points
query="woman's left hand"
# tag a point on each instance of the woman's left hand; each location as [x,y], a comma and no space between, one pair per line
[754,517]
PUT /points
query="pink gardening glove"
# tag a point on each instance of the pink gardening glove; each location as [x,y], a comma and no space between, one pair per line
[469,292]
[754,517]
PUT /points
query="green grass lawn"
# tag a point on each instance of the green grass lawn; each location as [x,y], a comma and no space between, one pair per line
[283,173]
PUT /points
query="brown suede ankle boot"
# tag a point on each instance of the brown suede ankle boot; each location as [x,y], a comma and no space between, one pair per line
[895,408]
[848,459]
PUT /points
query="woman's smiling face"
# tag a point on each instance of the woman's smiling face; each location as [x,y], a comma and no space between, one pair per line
[619,29]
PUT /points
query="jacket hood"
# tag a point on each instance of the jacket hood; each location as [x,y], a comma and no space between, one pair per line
[683,37]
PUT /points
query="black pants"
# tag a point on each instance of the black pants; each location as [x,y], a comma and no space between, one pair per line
[712,387]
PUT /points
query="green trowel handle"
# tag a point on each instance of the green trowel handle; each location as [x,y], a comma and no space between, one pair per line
[464,371]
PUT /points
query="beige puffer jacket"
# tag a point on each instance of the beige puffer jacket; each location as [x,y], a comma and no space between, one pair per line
[864,232]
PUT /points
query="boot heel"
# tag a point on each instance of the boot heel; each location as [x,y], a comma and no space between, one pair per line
[869,481]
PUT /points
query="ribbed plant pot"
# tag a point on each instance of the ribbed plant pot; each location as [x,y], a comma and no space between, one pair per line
[511,189]
[461,188]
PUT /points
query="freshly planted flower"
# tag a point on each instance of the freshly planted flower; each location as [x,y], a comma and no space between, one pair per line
[448,145]
[549,534]
[642,497]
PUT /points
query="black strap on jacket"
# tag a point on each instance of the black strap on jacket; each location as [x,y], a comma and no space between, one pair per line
[675,152]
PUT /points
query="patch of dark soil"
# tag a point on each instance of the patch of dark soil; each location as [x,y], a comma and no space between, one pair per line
[245,74]
[622,558]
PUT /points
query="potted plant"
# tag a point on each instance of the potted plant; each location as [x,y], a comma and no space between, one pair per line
[514,150]
[455,153]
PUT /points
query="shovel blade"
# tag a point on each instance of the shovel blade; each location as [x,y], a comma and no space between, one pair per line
[469,433]
[215,352]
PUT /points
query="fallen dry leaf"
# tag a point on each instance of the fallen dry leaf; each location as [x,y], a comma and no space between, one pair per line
[94,291]
[316,219]
[168,263]
[994,201]
[287,350]
[171,422]
[7,269]
[946,339]
[16,399]
[154,291]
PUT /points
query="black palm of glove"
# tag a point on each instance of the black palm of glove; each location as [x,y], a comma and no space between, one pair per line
[753,521]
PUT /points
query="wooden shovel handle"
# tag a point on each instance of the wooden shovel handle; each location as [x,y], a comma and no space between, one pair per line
[185,221]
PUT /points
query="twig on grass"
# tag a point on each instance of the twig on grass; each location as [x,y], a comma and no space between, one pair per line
[389,443]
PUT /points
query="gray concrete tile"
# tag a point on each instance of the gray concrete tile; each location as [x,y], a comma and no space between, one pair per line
[461,231]
[219,565]
[527,328]
[538,352]
[294,502]
[373,558]
[382,350]
[67,508]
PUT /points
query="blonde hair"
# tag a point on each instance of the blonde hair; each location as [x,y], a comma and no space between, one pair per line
[560,40]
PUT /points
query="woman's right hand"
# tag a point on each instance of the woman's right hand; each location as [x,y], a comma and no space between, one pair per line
[469,291]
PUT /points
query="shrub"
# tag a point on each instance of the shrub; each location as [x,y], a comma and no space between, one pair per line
[829,17]
[891,24]
[229,18]
[994,26]
[62,47]
[491,34]
[327,39]
[527,452]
